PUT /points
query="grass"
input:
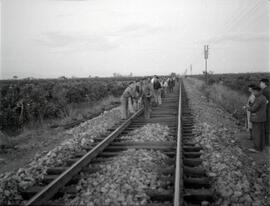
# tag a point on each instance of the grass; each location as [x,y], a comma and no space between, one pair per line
[76,112]
[85,110]
[231,100]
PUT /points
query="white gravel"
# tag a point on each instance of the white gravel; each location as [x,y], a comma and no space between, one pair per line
[12,182]
[237,180]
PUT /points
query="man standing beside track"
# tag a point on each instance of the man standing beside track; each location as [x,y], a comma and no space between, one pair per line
[170,84]
[157,92]
[264,84]
[147,95]
[258,118]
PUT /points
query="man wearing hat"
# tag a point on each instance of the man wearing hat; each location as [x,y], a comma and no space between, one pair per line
[258,118]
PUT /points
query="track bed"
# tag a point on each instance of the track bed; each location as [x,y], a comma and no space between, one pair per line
[181,179]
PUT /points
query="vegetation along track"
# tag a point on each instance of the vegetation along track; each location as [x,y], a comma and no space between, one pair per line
[184,180]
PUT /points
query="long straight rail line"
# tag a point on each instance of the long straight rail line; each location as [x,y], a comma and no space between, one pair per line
[178,183]
[59,182]
[165,115]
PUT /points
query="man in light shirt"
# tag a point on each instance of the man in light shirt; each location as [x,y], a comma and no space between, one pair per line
[128,95]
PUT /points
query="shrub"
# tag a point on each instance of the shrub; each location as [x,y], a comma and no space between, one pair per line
[26,101]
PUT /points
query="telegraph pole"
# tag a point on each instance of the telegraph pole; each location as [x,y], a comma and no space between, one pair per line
[185,73]
[206,52]
[190,68]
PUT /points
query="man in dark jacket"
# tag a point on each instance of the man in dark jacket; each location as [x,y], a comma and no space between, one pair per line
[258,118]
[156,91]
[264,84]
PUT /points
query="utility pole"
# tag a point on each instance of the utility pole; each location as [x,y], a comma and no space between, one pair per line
[185,73]
[190,68]
[206,52]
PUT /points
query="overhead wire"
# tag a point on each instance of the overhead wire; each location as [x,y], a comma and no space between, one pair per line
[245,15]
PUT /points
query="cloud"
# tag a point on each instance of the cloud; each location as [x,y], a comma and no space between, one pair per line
[238,37]
[72,42]
[138,29]
[69,0]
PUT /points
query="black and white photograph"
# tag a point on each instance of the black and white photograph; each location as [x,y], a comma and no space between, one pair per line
[134,103]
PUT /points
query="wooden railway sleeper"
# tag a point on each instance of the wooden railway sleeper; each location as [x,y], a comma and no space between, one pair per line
[196,182]
[197,196]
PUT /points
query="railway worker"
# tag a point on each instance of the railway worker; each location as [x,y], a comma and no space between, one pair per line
[147,96]
[165,85]
[250,101]
[156,89]
[138,95]
[127,100]
[163,88]
[264,84]
[153,79]
[170,85]
[258,118]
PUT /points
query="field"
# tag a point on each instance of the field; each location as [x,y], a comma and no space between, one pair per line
[237,81]
[137,166]
[29,101]
[229,90]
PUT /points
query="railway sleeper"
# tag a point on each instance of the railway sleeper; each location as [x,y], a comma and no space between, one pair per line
[187,127]
[27,194]
[187,132]
[47,179]
[169,112]
[160,121]
[197,196]
[187,135]
[192,162]
[160,195]
[150,143]
[154,147]
[196,182]
[194,171]
[189,143]
[192,154]
[188,122]
[56,170]
[111,153]
[171,133]
[192,148]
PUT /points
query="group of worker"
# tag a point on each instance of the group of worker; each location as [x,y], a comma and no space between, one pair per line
[146,92]
[258,114]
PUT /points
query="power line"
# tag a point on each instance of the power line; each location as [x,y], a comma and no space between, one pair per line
[232,18]
[251,13]
[243,15]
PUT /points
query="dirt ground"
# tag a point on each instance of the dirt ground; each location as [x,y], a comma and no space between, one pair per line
[28,145]
[246,144]
[41,140]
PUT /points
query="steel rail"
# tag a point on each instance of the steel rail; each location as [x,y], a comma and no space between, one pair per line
[178,183]
[50,190]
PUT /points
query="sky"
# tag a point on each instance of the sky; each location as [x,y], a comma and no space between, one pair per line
[53,38]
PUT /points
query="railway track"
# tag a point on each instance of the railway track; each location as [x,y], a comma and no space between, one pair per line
[188,180]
